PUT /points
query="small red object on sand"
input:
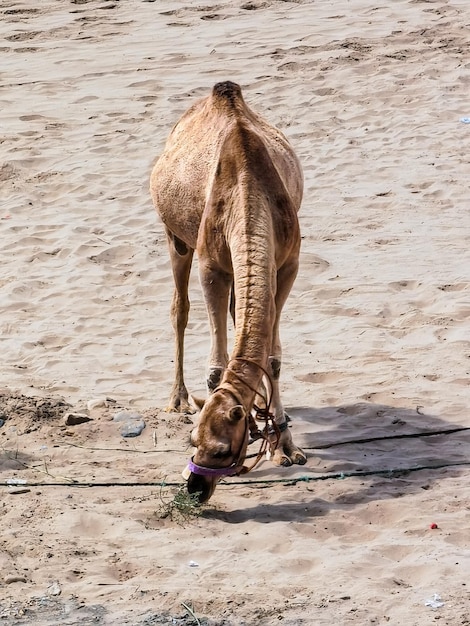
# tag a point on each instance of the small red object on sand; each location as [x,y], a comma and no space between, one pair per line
[433,526]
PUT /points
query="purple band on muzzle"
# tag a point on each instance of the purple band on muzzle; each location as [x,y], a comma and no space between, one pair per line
[210,471]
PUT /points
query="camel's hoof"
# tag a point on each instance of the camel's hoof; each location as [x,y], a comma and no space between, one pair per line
[297,455]
[180,407]
[299,458]
[188,410]
[281,459]
[287,458]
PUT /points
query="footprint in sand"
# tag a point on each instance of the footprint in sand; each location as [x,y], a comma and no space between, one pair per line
[23,36]
[319,377]
[404,284]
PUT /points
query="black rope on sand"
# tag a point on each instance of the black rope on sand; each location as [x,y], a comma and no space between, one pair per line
[387,473]
[429,433]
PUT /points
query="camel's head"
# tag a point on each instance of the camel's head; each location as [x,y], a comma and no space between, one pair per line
[221,439]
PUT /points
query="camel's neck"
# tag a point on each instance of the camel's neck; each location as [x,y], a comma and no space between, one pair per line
[242,378]
[254,275]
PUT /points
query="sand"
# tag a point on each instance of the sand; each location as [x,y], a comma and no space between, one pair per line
[375,333]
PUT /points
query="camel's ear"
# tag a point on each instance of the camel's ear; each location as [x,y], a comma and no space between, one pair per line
[237,413]
[193,436]
[199,402]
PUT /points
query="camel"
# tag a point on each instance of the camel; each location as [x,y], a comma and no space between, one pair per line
[229,186]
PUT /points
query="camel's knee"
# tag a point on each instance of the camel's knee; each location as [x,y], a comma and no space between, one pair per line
[214,377]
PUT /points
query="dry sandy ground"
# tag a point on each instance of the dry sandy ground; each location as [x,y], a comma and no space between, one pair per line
[375,334]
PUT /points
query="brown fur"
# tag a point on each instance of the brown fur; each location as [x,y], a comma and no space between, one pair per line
[229,186]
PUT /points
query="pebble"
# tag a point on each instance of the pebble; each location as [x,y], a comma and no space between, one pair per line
[97,403]
[14,578]
[125,416]
[133,428]
[17,490]
[132,423]
[54,589]
[72,419]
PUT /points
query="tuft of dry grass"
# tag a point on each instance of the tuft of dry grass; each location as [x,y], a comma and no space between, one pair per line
[183,508]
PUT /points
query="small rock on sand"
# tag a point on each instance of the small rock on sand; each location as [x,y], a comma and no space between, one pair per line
[54,589]
[14,578]
[17,490]
[132,423]
[126,416]
[72,419]
[96,403]
[133,428]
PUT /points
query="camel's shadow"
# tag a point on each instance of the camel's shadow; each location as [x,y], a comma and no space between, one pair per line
[384,452]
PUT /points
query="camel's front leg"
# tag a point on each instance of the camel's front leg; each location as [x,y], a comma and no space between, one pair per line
[286,452]
[181,258]
[216,284]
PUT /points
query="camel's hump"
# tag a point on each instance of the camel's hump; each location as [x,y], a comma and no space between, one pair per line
[227,91]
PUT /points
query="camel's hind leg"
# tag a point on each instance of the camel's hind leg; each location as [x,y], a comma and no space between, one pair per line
[181,259]
[287,452]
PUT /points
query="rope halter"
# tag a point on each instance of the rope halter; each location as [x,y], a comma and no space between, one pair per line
[267,445]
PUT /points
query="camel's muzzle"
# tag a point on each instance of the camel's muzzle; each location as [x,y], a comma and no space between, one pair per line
[203,486]
[203,480]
